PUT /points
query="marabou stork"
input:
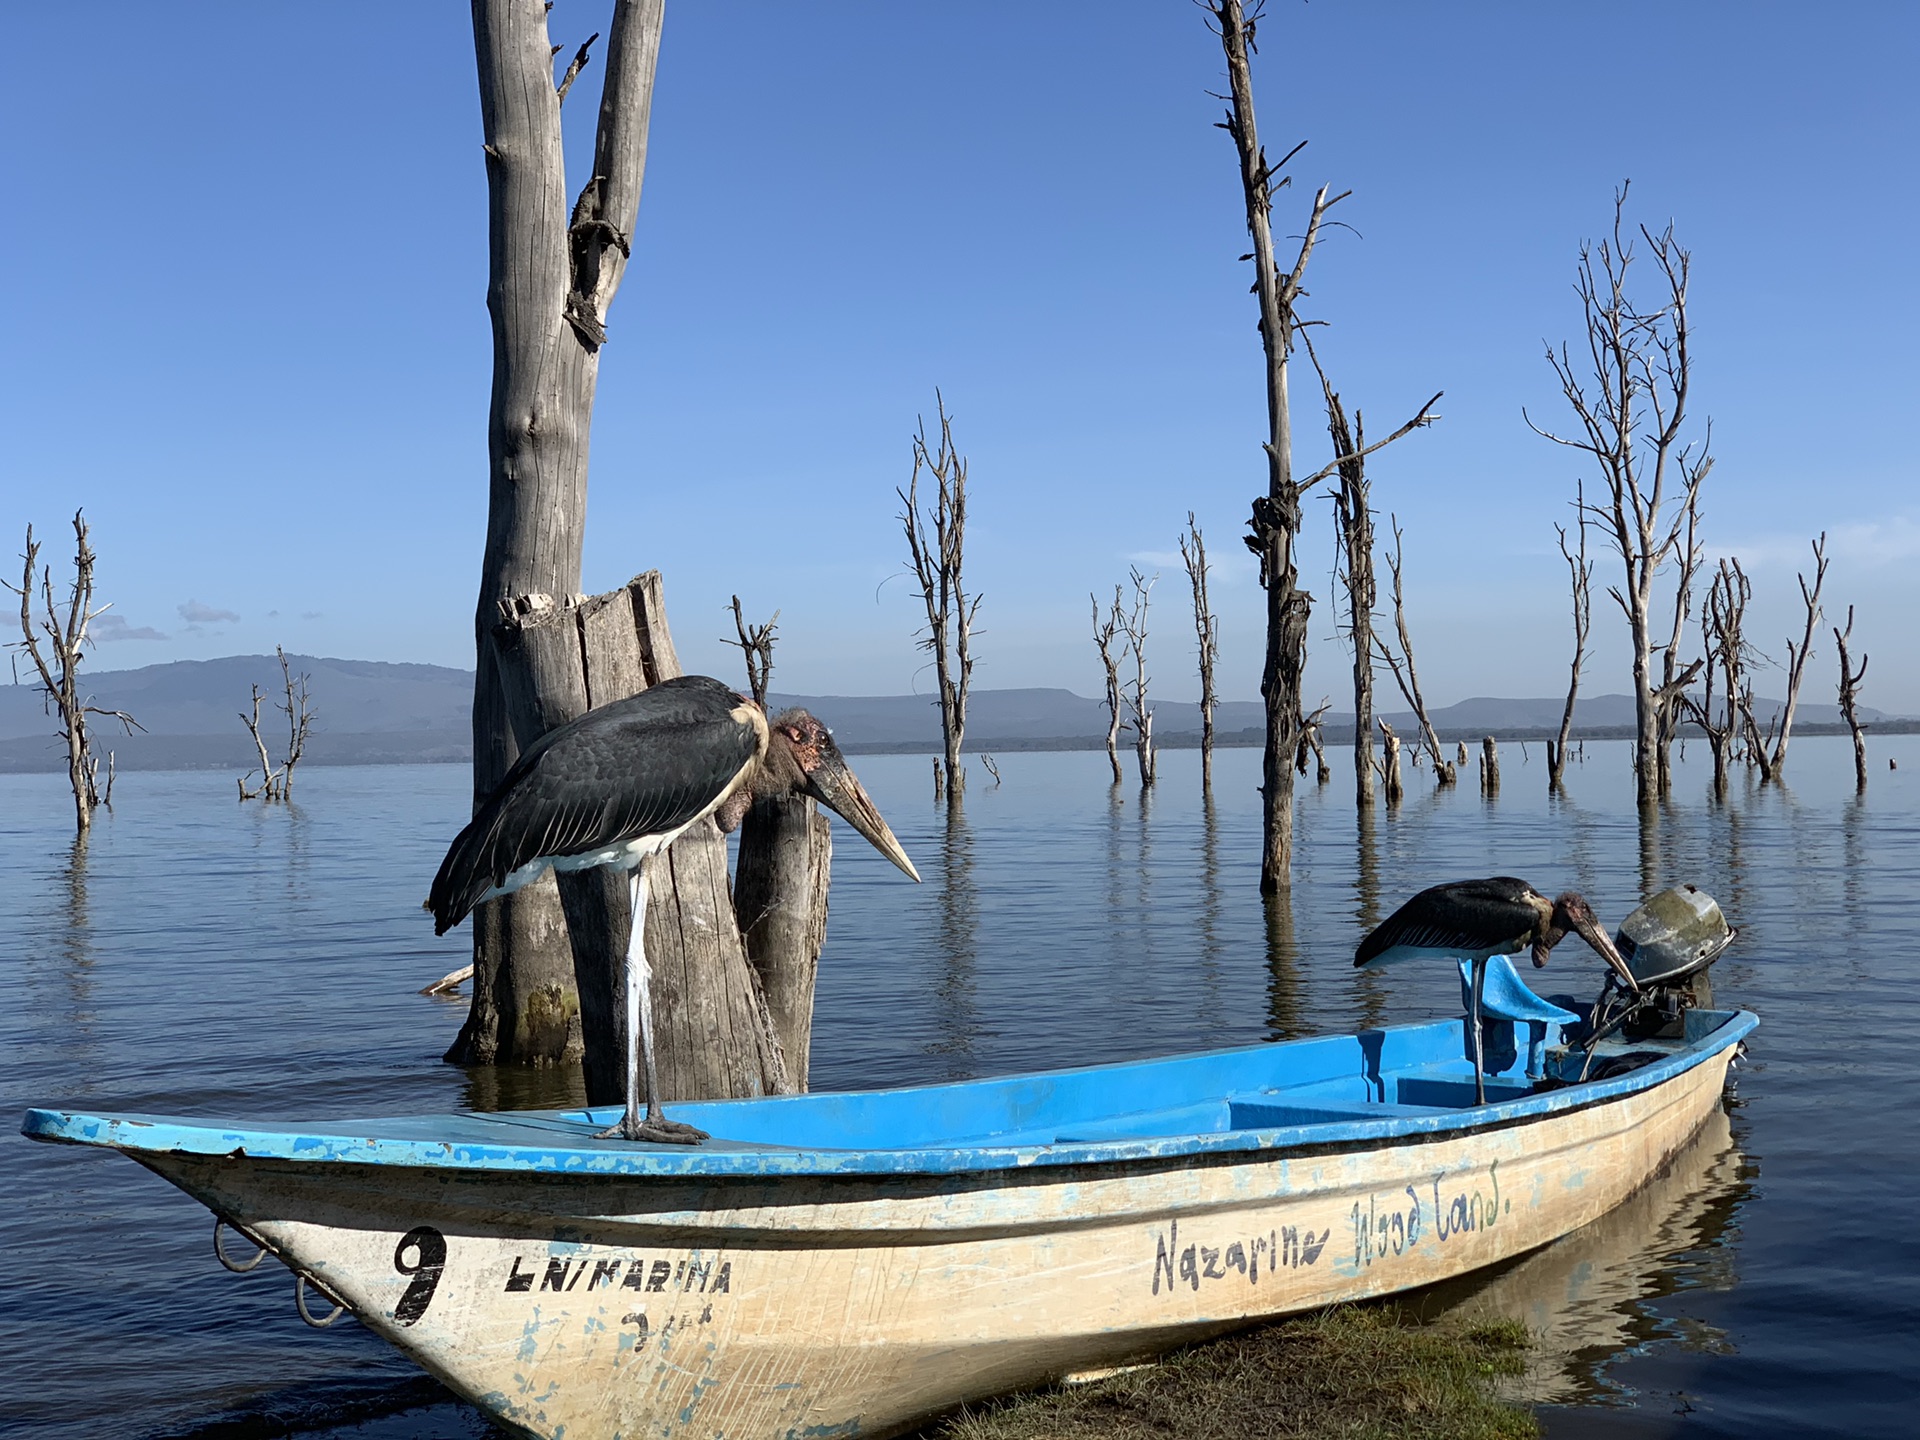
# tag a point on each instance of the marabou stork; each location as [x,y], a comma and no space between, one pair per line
[617,786]
[1478,919]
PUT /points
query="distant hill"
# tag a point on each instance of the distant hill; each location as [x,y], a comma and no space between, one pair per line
[371,712]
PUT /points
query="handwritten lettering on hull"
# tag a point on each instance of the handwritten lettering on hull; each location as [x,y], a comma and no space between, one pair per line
[687,1275]
[1381,1232]
[1283,1247]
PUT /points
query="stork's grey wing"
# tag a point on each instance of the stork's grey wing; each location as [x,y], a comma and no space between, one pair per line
[645,765]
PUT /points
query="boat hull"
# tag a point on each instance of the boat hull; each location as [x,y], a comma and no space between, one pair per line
[831,1304]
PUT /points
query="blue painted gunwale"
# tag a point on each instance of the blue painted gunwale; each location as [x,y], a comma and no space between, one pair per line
[993,1124]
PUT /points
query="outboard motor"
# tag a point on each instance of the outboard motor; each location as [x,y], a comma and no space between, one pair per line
[1669,944]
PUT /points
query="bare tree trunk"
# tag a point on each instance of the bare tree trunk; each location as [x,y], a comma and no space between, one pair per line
[1207,633]
[1104,629]
[57,644]
[1631,424]
[1445,771]
[1722,633]
[780,900]
[1850,679]
[1489,767]
[937,569]
[552,277]
[1134,624]
[1580,581]
[1797,657]
[714,1034]
[1276,515]
[1390,763]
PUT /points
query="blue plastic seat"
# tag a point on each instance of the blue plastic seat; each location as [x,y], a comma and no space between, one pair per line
[1505,996]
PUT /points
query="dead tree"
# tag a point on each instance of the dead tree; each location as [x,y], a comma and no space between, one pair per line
[1390,764]
[1580,581]
[547,956]
[56,641]
[553,271]
[1193,553]
[1489,767]
[276,782]
[1723,638]
[755,643]
[1407,677]
[1105,627]
[1772,757]
[1133,624]
[1311,744]
[1632,422]
[1275,523]
[1850,679]
[936,564]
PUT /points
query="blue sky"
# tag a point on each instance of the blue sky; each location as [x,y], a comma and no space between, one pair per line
[244,323]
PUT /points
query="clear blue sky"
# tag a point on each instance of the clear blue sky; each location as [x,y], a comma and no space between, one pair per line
[244,322]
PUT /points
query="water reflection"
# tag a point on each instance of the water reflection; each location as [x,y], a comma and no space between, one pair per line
[956,1004]
[76,936]
[1586,1297]
[1369,992]
[1285,1010]
[1211,895]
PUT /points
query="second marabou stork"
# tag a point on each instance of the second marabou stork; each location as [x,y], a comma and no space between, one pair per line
[1475,920]
[618,785]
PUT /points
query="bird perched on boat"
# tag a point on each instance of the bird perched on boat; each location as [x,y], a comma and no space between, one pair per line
[1475,920]
[618,785]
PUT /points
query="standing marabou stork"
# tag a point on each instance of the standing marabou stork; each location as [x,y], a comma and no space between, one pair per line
[1478,919]
[617,786]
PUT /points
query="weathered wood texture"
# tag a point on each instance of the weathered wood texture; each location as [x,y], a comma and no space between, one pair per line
[780,901]
[1489,767]
[558,1002]
[552,276]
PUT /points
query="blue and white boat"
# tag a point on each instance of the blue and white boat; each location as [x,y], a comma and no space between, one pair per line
[846,1264]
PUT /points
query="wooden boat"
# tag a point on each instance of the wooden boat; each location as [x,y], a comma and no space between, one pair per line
[842,1264]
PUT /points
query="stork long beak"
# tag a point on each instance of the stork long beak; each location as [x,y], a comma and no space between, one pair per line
[1589,931]
[832,783]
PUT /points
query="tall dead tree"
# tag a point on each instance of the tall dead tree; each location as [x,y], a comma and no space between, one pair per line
[1850,678]
[755,644]
[56,642]
[1772,748]
[276,782]
[1723,638]
[1407,677]
[1133,624]
[553,271]
[1105,628]
[1631,422]
[1276,514]
[1580,583]
[1353,562]
[936,563]
[1206,629]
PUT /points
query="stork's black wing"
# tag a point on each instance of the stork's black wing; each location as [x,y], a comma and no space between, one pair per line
[644,765]
[1496,915]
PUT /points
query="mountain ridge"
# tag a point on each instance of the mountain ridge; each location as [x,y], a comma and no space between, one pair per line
[384,712]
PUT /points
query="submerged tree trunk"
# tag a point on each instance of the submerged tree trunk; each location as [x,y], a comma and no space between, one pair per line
[1850,678]
[1193,553]
[780,900]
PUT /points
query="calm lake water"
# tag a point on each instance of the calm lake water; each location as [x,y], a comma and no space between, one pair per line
[203,957]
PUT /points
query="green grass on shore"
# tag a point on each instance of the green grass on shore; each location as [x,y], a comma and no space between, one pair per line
[1357,1372]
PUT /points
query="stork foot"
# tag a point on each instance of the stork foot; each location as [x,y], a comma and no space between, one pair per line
[654,1130]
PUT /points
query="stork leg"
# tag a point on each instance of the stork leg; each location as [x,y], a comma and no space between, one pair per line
[1476,1039]
[638,978]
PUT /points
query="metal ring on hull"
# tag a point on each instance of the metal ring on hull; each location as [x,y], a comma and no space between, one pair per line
[300,1283]
[220,1251]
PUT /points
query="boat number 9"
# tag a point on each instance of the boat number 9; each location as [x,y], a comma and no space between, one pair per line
[429,1258]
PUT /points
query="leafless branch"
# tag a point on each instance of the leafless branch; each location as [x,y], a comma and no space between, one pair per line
[755,644]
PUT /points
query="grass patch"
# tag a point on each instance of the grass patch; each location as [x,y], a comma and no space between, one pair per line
[1356,1372]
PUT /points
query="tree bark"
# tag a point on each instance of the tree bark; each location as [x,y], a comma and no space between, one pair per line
[1193,552]
[1276,515]
[559,1001]
[1489,767]
[551,279]
[780,901]
[1850,678]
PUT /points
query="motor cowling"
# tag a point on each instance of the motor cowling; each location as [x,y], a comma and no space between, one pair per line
[1669,944]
